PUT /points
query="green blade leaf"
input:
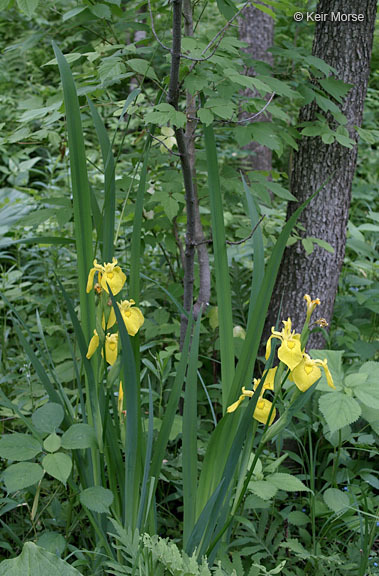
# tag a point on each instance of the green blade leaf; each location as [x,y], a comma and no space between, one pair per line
[80,192]
[223,291]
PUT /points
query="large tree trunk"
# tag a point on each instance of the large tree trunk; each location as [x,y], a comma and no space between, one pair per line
[347,47]
[257,29]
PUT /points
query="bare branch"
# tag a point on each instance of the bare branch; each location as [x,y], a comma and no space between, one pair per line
[219,36]
[230,242]
[257,113]
[163,144]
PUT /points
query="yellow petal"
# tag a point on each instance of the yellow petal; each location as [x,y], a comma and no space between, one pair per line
[111,320]
[290,353]
[235,405]
[120,402]
[262,411]
[111,345]
[270,378]
[90,280]
[268,347]
[306,373]
[116,280]
[329,377]
[94,343]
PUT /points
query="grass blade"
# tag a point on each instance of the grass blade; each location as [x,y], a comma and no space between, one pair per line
[223,290]
[132,436]
[109,185]
[80,192]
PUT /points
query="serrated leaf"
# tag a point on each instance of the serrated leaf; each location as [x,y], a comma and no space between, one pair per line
[263,489]
[22,475]
[287,482]
[97,499]
[48,418]
[281,192]
[58,465]
[368,395]
[339,410]
[79,436]
[28,6]
[296,547]
[52,443]
[19,447]
[336,500]
[336,88]
[36,561]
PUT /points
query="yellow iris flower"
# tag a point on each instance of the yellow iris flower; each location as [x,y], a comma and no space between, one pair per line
[93,345]
[110,274]
[290,349]
[111,345]
[132,317]
[308,371]
[262,409]
[311,305]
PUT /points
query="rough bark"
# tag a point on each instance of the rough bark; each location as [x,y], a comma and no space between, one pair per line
[347,47]
[257,29]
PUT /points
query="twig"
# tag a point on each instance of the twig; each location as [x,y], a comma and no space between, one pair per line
[230,242]
[257,113]
[195,60]
[163,144]
[248,237]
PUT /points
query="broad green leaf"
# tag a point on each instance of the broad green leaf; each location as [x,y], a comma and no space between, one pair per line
[323,244]
[52,542]
[142,67]
[307,244]
[97,499]
[339,409]
[101,11]
[4,4]
[36,561]
[263,489]
[336,88]
[79,436]
[171,207]
[19,447]
[28,6]
[23,475]
[52,443]
[72,13]
[206,116]
[111,67]
[336,500]
[263,134]
[227,8]
[334,359]
[281,192]
[58,465]
[298,518]
[48,418]
[287,482]
[368,394]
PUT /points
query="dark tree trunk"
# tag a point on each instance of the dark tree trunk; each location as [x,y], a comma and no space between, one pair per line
[347,47]
[257,29]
